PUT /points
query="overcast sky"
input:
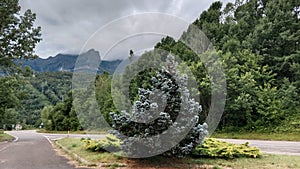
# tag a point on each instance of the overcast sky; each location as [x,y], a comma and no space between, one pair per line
[70,26]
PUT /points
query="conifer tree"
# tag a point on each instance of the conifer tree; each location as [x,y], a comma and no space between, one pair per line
[170,104]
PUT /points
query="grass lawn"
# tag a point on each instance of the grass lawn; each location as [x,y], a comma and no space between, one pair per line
[71,132]
[259,136]
[75,146]
[267,161]
[60,132]
[111,161]
[5,137]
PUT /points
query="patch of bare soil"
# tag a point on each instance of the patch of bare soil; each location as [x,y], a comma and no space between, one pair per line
[158,163]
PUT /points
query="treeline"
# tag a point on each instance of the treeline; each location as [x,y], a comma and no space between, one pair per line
[9,101]
[24,97]
[258,43]
[43,89]
[63,116]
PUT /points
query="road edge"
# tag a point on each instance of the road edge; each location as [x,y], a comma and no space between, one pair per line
[15,137]
[72,155]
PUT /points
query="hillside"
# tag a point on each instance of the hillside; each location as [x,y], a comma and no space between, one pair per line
[66,63]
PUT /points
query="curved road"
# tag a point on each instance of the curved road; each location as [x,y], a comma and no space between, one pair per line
[33,150]
[30,150]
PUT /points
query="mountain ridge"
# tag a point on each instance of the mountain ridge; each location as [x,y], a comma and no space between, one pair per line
[66,63]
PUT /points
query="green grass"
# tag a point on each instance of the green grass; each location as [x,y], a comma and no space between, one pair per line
[109,160]
[5,137]
[60,132]
[71,132]
[76,146]
[259,136]
[266,162]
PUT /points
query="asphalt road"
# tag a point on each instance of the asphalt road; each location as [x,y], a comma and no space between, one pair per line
[59,136]
[272,147]
[31,150]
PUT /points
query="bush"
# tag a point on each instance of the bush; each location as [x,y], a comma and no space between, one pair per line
[221,149]
[110,143]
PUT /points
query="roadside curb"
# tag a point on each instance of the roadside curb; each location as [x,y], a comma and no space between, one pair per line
[73,155]
[15,137]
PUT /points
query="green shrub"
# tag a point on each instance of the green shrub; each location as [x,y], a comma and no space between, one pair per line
[110,143]
[221,149]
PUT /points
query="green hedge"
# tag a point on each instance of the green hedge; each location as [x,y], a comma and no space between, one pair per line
[110,143]
[221,149]
[210,148]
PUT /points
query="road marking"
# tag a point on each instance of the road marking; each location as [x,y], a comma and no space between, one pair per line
[15,140]
[2,161]
[16,137]
[4,148]
[48,139]
[58,138]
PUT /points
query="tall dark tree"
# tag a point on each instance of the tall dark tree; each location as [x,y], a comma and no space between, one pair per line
[210,23]
[18,36]
[277,37]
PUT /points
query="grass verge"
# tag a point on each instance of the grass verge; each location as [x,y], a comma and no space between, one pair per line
[111,161]
[75,148]
[259,136]
[5,137]
[60,132]
[267,161]
[71,132]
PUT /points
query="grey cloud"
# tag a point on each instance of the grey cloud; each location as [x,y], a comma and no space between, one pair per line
[68,24]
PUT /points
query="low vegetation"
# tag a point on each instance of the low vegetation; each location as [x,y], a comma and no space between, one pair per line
[267,161]
[62,132]
[211,148]
[5,137]
[110,160]
[110,143]
[76,145]
[221,149]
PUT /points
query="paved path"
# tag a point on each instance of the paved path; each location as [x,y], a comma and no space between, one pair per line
[59,136]
[272,147]
[31,150]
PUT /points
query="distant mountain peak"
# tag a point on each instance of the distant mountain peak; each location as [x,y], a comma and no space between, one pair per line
[92,50]
[66,63]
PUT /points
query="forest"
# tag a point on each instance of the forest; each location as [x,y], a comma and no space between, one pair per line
[257,41]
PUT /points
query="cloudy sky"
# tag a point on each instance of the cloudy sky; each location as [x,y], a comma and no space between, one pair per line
[110,26]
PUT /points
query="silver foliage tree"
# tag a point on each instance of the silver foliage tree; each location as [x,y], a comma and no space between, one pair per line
[165,118]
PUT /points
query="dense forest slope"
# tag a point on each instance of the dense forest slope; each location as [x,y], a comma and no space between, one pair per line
[258,42]
[66,63]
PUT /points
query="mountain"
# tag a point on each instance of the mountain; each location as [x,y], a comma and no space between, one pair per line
[66,63]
